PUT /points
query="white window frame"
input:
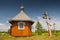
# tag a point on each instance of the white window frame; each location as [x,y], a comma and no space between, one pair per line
[19,28]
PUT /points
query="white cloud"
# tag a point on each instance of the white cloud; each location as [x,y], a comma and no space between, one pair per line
[57,25]
[33,26]
[1,24]
[4,27]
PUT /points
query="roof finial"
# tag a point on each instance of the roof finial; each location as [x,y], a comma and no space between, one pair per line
[22,8]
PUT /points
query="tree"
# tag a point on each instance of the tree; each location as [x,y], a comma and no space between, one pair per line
[8,30]
[39,28]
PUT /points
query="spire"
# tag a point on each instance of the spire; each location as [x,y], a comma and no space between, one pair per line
[22,8]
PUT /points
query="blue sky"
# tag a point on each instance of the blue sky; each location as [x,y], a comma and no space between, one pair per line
[33,8]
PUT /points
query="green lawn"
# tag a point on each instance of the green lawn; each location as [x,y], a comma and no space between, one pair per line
[44,36]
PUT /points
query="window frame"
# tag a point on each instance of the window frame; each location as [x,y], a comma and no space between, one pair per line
[19,27]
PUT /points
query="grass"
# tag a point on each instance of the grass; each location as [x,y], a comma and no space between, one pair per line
[44,36]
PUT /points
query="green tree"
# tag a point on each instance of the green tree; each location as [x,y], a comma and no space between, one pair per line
[39,28]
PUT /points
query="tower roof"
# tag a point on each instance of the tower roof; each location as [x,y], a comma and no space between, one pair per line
[21,16]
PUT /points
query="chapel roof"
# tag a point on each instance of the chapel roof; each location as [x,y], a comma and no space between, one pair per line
[22,16]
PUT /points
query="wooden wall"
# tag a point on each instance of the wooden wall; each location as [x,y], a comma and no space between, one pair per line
[26,32]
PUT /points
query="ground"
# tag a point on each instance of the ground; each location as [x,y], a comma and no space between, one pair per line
[44,36]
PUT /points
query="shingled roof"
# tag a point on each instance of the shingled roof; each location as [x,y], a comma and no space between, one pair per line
[21,16]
